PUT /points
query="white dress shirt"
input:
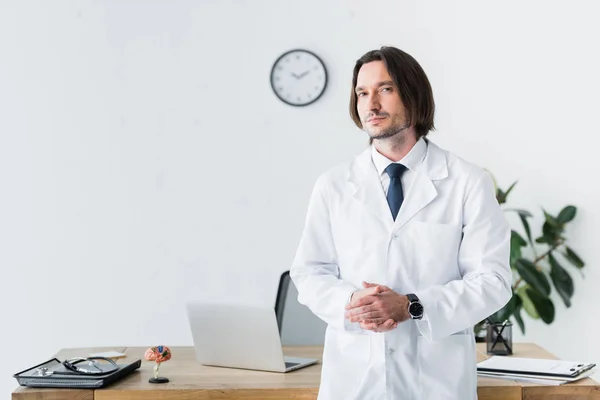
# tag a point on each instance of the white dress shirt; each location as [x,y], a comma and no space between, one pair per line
[411,161]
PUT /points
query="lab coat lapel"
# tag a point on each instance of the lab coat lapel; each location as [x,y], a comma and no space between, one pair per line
[367,188]
[423,190]
[421,193]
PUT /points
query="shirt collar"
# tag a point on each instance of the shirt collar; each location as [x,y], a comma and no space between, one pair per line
[412,160]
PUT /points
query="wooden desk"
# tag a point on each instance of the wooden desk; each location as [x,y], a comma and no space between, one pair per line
[190,380]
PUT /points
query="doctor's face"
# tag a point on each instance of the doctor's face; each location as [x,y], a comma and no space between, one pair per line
[378,102]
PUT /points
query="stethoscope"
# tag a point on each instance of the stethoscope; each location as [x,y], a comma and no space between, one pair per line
[71,365]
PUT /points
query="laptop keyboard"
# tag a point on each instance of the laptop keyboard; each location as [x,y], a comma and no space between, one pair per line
[291,364]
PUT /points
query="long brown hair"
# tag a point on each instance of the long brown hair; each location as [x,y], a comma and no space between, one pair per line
[411,81]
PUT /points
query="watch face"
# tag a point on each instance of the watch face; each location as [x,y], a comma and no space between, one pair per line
[415,309]
[299,77]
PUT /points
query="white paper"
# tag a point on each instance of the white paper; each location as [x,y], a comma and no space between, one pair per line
[551,382]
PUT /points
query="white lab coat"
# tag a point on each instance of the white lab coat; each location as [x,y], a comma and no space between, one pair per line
[449,245]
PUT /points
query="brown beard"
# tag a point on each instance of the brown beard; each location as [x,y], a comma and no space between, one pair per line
[390,132]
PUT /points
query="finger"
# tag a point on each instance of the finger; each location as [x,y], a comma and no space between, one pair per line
[370,321]
[374,316]
[362,302]
[374,287]
[381,288]
[384,323]
[387,326]
[372,290]
[375,328]
[365,293]
[353,304]
[369,327]
[362,311]
[390,324]
[382,327]
[369,296]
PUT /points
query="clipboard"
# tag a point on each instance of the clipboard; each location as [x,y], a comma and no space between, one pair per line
[544,380]
[534,366]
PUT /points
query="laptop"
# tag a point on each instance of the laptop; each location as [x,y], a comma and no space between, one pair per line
[239,336]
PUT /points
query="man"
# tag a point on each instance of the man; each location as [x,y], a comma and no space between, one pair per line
[404,249]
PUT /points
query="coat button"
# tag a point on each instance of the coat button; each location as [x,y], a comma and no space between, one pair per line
[391,351]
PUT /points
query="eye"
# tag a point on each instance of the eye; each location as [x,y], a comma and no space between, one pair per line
[386,89]
[360,94]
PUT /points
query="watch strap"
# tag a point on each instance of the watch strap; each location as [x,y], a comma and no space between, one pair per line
[412,298]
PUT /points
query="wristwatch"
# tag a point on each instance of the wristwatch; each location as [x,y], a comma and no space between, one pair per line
[415,308]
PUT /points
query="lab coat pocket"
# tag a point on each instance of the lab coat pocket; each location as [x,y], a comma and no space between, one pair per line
[447,367]
[436,252]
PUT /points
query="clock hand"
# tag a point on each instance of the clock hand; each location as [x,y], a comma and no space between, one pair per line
[302,75]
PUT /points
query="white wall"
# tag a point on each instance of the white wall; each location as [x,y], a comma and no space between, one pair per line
[144,160]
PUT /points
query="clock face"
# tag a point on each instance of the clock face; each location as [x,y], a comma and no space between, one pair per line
[298,77]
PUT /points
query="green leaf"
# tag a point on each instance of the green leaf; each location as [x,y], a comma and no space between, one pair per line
[500,196]
[562,280]
[526,301]
[544,239]
[519,319]
[548,230]
[510,188]
[505,312]
[523,215]
[520,211]
[573,258]
[551,220]
[517,239]
[517,312]
[516,242]
[543,305]
[567,214]
[550,233]
[527,229]
[531,275]
[493,178]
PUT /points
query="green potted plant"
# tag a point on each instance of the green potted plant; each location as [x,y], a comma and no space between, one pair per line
[537,267]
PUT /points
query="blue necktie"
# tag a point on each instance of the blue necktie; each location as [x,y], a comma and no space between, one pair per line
[395,195]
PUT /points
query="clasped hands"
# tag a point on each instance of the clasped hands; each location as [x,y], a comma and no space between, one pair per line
[378,308]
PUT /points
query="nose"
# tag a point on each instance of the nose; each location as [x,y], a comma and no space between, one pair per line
[373,103]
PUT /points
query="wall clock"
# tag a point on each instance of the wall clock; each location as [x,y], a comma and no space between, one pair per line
[298,77]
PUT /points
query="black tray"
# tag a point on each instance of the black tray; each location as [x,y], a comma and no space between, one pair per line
[32,378]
